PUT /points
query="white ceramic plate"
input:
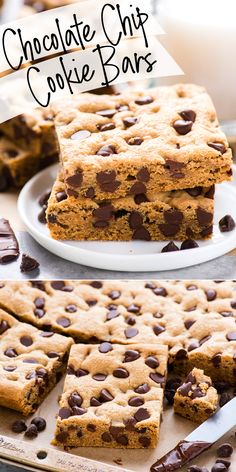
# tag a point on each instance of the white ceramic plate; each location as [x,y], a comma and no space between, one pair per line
[135,256]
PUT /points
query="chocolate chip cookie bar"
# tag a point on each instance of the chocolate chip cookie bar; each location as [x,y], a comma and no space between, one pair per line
[31,362]
[156,140]
[112,396]
[153,216]
[196,399]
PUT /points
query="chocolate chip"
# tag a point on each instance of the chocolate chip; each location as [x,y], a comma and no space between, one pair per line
[60,196]
[225,314]
[140,198]
[141,234]
[99,377]
[63,436]
[204,340]
[106,127]
[76,179]
[204,217]
[104,212]
[144,100]
[18,426]
[105,347]
[107,182]
[185,388]
[90,193]
[63,321]
[94,402]
[26,341]
[143,175]
[39,302]
[218,147]
[160,291]
[122,439]
[65,413]
[131,355]
[233,304]
[170,389]
[135,401]
[193,345]
[105,396]
[135,220]
[106,437]
[43,199]
[188,115]
[142,389]
[144,441]
[39,313]
[170,247]
[175,168]
[211,294]
[53,354]
[182,127]
[131,333]
[225,450]
[114,294]
[231,336]
[223,461]
[10,352]
[75,399]
[135,141]
[188,244]
[173,217]
[168,229]
[133,308]
[4,326]
[141,414]
[112,313]
[160,379]
[71,308]
[158,329]
[152,362]
[106,113]
[194,192]
[80,135]
[9,368]
[40,423]
[121,373]
[28,264]
[31,431]
[226,224]
[181,354]
[107,150]
[130,121]
[138,188]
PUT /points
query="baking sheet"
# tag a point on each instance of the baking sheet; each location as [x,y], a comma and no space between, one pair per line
[15,448]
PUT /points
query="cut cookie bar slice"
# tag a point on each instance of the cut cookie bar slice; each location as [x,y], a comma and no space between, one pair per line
[31,362]
[154,216]
[196,399]
[157,140]
[112,396]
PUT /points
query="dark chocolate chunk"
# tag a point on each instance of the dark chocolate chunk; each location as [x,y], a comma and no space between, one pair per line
[138,188]
[160,291]
[141,234]
[135,401]
[75,399]
[65,413]
[194,192]
[105,347]
[107,182]
[160,379]
[19,426]
[189,323]
[143,175]
[9,248]
[144,100]
[121,373]
[141,414]
[173,217]
[105,396]
[104,212]
[169,229]
[225,450]
[91,427]
[152,362]
[31,432]
[106,127]
[106,437]
[60,196]
[158,329]
[182,127]
[140,198]
[107,150]
[175,168]
[135,220]
[226,224]
[80,135]
[188,115]
[40,423]
[130,121]
[135,141]
[109,113]
[90,193]
[142,389]
[204,217]
[218,147]
[28,263]
[114,294]
[94,402]
[170,247]
[131,355]
[76,179]
[188,244]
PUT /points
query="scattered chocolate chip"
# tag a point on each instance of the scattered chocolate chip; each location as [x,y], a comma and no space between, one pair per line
[60,196]
[130,121]
[193,345]
[143,175]
[158,329]
[160,379]
[19,426]
[106,113]
[9,368]
[225,450]
[106,437]
[188,115]
[141,414]
[94,402]
[65,413]
[218,147]
[107,182]
[182,127]
[144,100]
[152,362]
[168,229]
[138,188]
[181,354]
[131,355]
[75,399]
[63,321]
[104,212]
[194,192]
[4,326]
[188,244]
[106,127]
[40,423]
[170,247]
[204,340]
[225,462]
[80,135]
[226,224]
[144,441]
[26,341]
[10,352]
[170,389]
[31,432]
[43,199]
[114,294]
[160,291]
[204,217]
[141,234]
[140,198]
[99,377]
[121,373]
[76,179]
[135,141]
[105,396]
[216,359]
[135,220]
[112,313]
[174,217]
[175,168]
[142,389]
[133,308]
[90,193]
[107,150]
[28,264]
[131,333]
[105,347]
[231,336]
[135,401]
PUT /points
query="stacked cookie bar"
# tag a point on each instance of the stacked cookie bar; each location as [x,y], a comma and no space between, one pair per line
[27,144]
[139,165]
